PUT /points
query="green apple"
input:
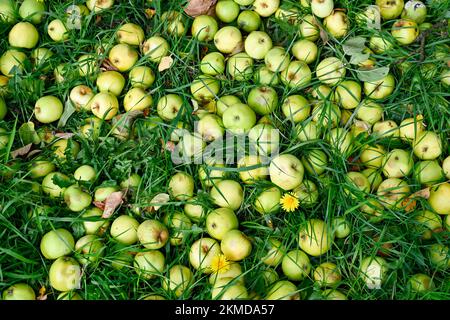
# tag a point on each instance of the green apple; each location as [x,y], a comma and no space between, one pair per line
[90,249]
[4,90]
[369,111]
[205,88]
[263,100]
[286,171]
[224,102]
[390,9]
[268,201]
[85,173]
[420,282]
[227,39]
[57,243]
[296,108]
[227,194]
[438,199]
[385,129]
[250,176]
[155,48]
[211,172]
[374,177]
[240,66]
[266,8]
[152,234]
[372,156]
[305,50]
[257,44]
[235,245]
[427,222]
[266,77]
[405,31]
[41,168]
[18,291]
[439,256]
[181,186]
[210,127]
[179,280]
[380,89]
[307,193]
[321,92]
[123,57]
[179,224]
[99,5]
[93,222]
[315,237]
[264,139]
[137,99]
[357,184]
[23,35]
[327,274]
[411,127]
[341,227]
[102,193]
[309,28]
[76,199]
[227,10]
[296,265]
[415,10]
[104,105]
[397,163]
[141,77]
[131,182]
[124,229]
[49,187]
[57,30]
[227,289]
[330,71]
[291,15]
[194,210]
[373,271]
[204,28]
[233,272]
[149,264]
[130,34]
[202,252]
[168,106]
[315,162]
[8,11]
[276,59]
[12,62]
[87,65]
[307,131]
[213,64]
[380,44]
[427,145]
[275,252]
[81,96]
[32,10]
[428,172]
[111,81]
[174,22]
[332,294]
[322,8]
[69,295]
[48,109]
[337,24]
[248,21]
[220,221]
[239,118]
[348,94]
[392,191]
[192,145]
[446,167]
[296,75]
[65,274]
[340,140]
[283,290]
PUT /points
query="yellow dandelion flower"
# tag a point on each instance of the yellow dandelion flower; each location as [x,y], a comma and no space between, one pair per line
[220,264]
[289,202]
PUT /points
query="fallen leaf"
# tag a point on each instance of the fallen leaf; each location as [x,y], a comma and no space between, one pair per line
[107,66]
[170,146]
[124,122]
[42,295]
[99,204]
[424,193]
[64,135]
[21,151]
[373,74]
[28,134]
[114,200]
[198,7]
[194,105]
[69,110]
[33,152]
[323,35]
[150,13]
[166,63]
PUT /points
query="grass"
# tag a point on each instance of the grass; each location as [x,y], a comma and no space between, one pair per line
[26,216]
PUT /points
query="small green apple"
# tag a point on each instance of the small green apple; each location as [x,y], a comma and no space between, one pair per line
[123,57]
[275,252]
[283,290]
[194,210]
[305,50]
[81,96]
[226,289]
[93,222]
[76,199]
[263,100]
[137,99]
[85,173]
[57,243]
[240,66]
[90,248]
[202,252]
[124,229]
[18,291]
[392,191]
[149,264]
[152,234]
[32,10]
[204,28]
[239,118]
[397,163]
[427,222]
[420,282]
[179,224]
[337,24]
[296,108]
[380,44]
[213,64]
[41,168]
[340,140]
[369,111]
[307,131]
[438,199]
[390,9]
[155,48]
[49,187]
[235,245]
[141,77]
[220,221]
[210,127]
[268,201]
[327,274]
[266,8]
[87,65]
[315,162]
[296,75]
[380,89]
[276,59]
[385,129]
[427,145]
[250,176]
[286,171]
[8,10]
[168,106]
[372,156]
[227,39]
[296,265]
[348,94]
[315,237]
[248,21]
[48,109]
[309,28]
[257,44]
[373,271]
[99,5]
[179,280]
[330,70]
[65,274]
[111,81]
[428,172]
[104,105]
[227,194]
[227,10]
[415,10]
[405,31]
[439,256]
[57,30]
[12,62]
[130,34]
[181,186]
[446,167]
[322,8]
[205,88]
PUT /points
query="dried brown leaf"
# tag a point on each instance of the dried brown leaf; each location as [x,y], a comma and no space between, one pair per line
[166,63]
[114,200]
[198,7]
[64,135]
[21,151]
[99,204]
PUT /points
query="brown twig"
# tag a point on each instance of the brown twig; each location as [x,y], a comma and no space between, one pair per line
[422,37]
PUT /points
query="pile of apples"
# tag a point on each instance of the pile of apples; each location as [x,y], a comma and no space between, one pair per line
[293,93]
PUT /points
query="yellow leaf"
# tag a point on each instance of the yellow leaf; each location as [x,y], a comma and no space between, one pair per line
[166,63]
